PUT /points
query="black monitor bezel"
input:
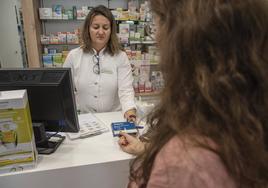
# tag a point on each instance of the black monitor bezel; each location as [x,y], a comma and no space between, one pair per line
[72,113]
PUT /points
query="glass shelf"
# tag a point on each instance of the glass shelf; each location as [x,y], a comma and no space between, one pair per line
[65,20]
[66,44]
[51,19]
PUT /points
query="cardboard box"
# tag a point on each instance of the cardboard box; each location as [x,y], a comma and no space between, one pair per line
[45,13]
[17,145]
[57,12]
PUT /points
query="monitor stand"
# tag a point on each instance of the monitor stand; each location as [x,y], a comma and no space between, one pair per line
[46,143]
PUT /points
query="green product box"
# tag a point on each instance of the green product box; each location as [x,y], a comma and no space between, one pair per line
[57,60]
[69,12]
[17,145]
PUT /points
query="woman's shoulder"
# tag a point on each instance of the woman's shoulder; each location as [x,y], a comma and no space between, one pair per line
[120,58]
[73,57]
[181,156]
[75,51]
[182,146]
[120,54]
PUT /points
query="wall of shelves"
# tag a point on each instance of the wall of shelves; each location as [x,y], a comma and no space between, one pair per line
[69,3]
[139,47]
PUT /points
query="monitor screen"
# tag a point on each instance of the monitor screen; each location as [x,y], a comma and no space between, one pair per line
[50,94]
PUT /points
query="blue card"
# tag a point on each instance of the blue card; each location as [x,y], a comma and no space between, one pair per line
[127,127]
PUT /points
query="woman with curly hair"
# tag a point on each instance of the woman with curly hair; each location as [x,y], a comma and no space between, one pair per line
[210,128]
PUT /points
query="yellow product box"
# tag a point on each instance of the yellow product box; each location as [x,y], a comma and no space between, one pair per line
[17,145]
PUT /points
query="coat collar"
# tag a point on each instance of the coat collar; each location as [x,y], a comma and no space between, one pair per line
[100,53]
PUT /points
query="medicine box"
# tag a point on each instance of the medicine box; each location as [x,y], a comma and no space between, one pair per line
[127,127]
[17,145]
[47,60]
[57,11]
[45,13]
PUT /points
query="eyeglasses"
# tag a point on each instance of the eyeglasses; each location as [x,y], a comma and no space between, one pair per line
[96,61]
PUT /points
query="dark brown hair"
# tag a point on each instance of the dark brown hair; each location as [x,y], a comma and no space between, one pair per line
[215,67]
[113,46]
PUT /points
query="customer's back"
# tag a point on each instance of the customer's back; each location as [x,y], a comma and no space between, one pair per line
[215,67]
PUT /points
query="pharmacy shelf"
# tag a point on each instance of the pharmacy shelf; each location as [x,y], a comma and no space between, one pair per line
[132,21]
[131,42]
[141,42]
[60,20]
[63,44]
[57,19]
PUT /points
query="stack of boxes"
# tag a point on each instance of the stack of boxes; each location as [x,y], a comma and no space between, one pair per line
[17,145]
[129,32]
[144,13]
[60,13]
[61,38]
[146,79]
[51,56]
[123,34]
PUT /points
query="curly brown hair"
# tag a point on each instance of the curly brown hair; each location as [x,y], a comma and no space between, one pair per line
[215,66]
[113,46]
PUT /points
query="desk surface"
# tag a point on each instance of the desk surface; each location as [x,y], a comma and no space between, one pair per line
[84,162]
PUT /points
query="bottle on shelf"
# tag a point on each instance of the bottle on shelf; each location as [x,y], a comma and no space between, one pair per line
[74,13]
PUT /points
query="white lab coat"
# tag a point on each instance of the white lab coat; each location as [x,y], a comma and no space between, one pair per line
[102,92]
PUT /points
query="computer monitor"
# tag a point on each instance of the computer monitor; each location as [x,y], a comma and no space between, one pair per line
[51,100]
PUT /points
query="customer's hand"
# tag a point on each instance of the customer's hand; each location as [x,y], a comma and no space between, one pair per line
[130,144]
[130,115]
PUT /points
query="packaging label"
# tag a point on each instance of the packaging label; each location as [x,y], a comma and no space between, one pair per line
[17,145]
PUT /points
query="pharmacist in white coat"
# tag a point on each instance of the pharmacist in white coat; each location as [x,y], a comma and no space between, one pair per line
[101,71]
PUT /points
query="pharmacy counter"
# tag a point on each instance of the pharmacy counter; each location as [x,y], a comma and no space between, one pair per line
[93,162]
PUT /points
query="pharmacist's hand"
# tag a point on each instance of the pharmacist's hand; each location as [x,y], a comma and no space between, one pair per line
[130,144]
[130,115]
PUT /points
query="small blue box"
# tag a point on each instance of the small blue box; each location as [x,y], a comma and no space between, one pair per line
[127,127]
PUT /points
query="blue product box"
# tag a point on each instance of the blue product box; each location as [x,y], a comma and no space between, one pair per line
[127,127]
[47,60]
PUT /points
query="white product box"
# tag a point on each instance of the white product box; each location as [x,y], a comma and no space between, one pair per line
[45,13]
[17,145]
